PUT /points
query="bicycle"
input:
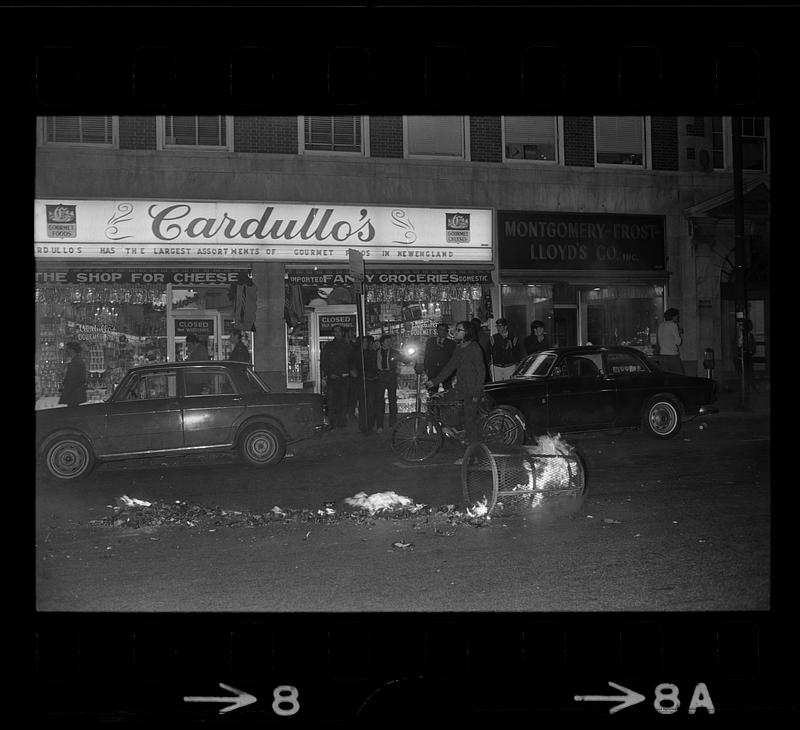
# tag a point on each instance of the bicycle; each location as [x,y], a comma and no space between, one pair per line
[419,435]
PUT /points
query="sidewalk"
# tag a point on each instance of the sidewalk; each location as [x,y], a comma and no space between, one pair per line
[757,404]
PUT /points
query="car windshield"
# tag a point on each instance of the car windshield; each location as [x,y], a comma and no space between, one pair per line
[538,363]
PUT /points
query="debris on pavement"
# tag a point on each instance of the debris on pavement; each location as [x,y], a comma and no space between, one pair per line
[403,545]
[137,514]
[125,499]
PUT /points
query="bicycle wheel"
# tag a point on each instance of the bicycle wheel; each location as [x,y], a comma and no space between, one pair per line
[479,478]
[416,437]
[503,426]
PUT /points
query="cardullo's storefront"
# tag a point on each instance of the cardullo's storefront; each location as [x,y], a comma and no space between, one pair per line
[131,279]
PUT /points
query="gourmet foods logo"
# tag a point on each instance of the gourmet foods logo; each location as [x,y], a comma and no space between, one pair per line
[62,221]
[457,227]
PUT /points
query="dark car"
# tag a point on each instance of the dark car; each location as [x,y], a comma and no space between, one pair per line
[592,388]
[174,409]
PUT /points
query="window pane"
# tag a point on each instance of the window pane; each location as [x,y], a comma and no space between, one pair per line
[335,133]
[619,140]
[78,129]
[193,131]
[440,135]
[530,138]
[210,131]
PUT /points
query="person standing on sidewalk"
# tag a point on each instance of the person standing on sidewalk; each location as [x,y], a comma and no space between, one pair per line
[388,360]
[335,366]
[366,382]
[670,338]
[745,349]
[239,353]
[537,340]
[73,389]
[468,365]
[507,351]
[438,351]
[484,339]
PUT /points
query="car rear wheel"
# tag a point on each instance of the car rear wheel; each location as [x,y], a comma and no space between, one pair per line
[262,445]
[69,457]
[661,418]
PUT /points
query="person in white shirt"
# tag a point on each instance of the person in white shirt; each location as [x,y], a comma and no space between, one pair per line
[670,338]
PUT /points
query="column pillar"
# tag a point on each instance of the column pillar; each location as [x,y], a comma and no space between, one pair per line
[270,339]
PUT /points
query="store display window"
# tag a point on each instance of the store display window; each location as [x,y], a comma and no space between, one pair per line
[118,327]
[408,312]
[623,315]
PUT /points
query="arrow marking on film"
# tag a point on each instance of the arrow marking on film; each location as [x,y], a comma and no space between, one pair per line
[241,700]
[628,699]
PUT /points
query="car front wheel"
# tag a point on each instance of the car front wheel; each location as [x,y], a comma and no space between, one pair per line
[262,445]
[69,457]
[662,418]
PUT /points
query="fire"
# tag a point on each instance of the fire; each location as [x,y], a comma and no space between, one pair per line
[379,501]
[479,509]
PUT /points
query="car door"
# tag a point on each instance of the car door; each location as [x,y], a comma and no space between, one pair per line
[634,384]
[578,396]
[144,414]
[212,406]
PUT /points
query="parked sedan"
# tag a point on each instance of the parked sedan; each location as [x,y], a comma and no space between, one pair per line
[174,409]
[588,388]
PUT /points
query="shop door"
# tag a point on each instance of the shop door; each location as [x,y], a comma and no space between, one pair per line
[206,324]
[321,324]
[565,325]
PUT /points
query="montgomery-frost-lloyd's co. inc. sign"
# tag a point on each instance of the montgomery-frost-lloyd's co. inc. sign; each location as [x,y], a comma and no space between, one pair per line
[223,231]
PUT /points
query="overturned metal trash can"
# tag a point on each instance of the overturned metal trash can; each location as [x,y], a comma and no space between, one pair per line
[523,479]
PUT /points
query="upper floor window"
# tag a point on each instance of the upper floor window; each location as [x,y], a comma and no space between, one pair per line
[340,133]
[619,141]
[755,132]
[754,143]
[93,130]
[437,136]
[211,132]
[717,143]
[530,138]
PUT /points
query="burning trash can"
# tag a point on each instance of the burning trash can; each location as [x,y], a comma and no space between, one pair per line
[549,476]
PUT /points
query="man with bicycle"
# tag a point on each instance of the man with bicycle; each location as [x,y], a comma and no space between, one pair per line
[468,364]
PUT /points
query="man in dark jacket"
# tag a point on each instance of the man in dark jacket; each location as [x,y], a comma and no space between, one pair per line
[73,389]
[438,351]
[197,349]
[365,382]
[467,362]
[335,363]
[537,340]
[239,353]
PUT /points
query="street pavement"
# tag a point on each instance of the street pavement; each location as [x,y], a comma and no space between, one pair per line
[677,525]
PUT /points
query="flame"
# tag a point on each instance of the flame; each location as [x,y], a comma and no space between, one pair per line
[479,509]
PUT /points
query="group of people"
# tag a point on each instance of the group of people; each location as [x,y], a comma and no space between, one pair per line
[362,373]
[197,350]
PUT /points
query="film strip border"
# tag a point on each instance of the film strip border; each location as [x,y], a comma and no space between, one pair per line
[436,59]
[347,667]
